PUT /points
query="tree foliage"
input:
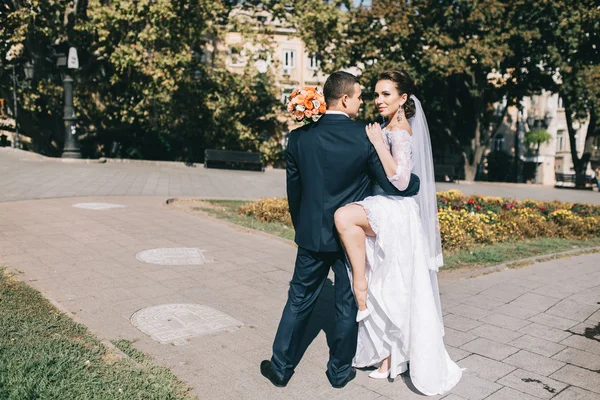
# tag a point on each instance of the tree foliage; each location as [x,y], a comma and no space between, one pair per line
[467,55]
[143,80]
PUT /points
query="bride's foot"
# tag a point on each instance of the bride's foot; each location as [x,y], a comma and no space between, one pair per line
[384,370]
[379,375]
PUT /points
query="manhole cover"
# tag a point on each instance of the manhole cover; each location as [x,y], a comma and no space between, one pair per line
[174,323]
[173,256]
[97,206]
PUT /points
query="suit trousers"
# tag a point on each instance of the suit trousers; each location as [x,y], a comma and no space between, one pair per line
[310,274]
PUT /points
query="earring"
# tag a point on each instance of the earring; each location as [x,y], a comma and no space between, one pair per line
[400,114]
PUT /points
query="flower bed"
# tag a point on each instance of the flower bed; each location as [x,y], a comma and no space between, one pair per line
[469,220]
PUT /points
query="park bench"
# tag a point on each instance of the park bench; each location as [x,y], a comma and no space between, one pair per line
[444,173]
[227,159]
[570,179]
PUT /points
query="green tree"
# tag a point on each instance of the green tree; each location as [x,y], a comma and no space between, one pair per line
[143,81]
[465,56]
[571,56]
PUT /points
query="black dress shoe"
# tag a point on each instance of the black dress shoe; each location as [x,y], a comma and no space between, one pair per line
[266,369]
[351,376]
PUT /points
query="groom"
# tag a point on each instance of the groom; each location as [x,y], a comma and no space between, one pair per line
[330,163]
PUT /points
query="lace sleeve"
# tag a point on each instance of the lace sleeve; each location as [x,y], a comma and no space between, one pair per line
[401,149]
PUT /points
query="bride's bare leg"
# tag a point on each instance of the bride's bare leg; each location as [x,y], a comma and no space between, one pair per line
[385,364]
[353,227]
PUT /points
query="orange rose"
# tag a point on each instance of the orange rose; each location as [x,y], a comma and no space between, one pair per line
[307,113]
[294,93]
[308,104]
[322,108]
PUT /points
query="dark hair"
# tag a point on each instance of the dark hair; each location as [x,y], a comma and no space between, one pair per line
[337,85]
[405,84]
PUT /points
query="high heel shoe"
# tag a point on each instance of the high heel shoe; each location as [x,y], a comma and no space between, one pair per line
[380,375]
[362,314]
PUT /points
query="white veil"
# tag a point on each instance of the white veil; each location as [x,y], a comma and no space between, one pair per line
[426,199]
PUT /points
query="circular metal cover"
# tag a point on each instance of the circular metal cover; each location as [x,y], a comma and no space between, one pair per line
[97,206]
[173,256]
[174,323]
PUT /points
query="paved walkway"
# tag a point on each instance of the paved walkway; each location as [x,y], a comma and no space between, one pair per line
[25,176]
[527,333]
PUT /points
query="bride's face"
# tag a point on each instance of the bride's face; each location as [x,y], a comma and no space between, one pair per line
[387,98]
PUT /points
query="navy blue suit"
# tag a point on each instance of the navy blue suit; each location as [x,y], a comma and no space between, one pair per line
[329,164]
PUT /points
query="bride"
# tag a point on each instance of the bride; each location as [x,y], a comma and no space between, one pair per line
[393,244]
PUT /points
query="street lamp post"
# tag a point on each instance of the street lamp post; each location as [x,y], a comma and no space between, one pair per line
[16,143]
[71,147]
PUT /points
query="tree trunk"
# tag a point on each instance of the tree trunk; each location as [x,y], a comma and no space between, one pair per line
[579,163]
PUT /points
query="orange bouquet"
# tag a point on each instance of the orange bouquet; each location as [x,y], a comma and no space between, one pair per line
[306,104]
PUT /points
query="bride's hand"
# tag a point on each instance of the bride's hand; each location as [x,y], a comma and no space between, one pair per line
[374,134]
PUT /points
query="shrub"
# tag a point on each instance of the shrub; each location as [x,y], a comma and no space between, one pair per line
[273,209]
[467,220]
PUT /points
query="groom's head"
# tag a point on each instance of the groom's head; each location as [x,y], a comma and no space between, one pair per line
[342,93]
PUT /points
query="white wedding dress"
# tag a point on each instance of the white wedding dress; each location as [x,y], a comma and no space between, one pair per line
[405,319]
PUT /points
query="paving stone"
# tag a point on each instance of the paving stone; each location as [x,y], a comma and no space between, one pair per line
[573,310]
[533,384]
[484,302]
[485,368]
[460,323]
[468,311]
[507,393]
[489,348]
[453,396]
[534,362]
[579,358]
[457,338]
[472,387]
[495,333]
[504,321]
[557,291]
[575,393]
[578,377]
[553,321]
[401,389]
[583,343]
[537,301]
[457,354]
[505,292]
[537,345]
[594,318]
[545,332]
[517,311]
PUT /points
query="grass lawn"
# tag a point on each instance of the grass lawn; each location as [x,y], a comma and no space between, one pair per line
[45,355]
[476,257]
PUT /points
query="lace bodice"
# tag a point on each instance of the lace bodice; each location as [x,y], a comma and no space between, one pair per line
[400,145]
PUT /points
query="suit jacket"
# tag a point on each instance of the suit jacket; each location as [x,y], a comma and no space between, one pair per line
[329,164]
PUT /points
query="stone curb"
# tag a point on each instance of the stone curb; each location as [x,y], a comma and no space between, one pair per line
[449,276]
[74,317]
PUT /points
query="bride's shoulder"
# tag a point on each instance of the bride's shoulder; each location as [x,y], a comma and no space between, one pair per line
[397,132]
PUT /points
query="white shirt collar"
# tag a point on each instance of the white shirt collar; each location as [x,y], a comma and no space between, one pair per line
[336,112]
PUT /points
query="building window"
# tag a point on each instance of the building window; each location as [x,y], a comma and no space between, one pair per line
[313,63]
[289,58]
[285,93]
[237,57]
[560,103]
[560,140]
[499,143]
